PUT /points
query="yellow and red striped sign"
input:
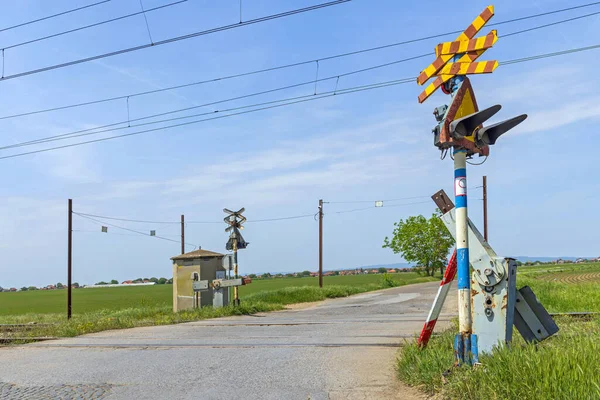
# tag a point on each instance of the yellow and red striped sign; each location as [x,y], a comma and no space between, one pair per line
[467,34]
[480,43]
[469,49]
[464,68]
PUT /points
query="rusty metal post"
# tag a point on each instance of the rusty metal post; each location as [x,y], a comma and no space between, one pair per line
[321,243]
[182,234]
[69,258]
[485,219]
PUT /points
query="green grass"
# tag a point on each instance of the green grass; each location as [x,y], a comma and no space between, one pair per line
[117,308]
[564,366]
[90,300]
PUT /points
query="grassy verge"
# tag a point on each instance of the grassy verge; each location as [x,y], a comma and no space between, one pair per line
[562,367]
[270,300]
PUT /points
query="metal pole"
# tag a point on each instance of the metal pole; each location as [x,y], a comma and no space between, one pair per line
[462,253]
[485,219]
[321,243]
[69,258]
[236,299]
[182,234]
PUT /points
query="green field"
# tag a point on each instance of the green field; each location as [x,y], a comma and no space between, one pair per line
[564,366]
[91,300]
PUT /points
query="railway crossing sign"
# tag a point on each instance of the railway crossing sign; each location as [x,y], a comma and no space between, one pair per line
[463,53]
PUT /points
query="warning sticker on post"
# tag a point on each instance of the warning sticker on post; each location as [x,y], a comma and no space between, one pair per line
[460,186]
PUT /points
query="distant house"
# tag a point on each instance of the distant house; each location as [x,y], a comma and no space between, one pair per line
[126,282]
[12,289]
[328,273]
[373,271]
[580,260]
[560,261]
[313,274]
[391,271]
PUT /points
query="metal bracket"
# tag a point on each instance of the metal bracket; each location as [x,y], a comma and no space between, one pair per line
[199,286]
[531,319]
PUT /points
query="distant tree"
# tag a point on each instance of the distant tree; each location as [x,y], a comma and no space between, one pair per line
[59,285]
[253,276]
[154,279]
[75,285]
[162,281]
[170,281]
[422,241]
[305,273]
[382,270]
[32,288]
[24,289]
[138,280]
[114,282]
[266,275]
[101,283]
[289,275]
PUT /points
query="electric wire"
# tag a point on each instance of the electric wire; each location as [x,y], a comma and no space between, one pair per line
[80,133]
[374,207]
[37,141]
[175,39]
[100,129]
[264,70]
[53,16]
[373,201]
[93,25]
[131,230]
[311,98]
[190,222]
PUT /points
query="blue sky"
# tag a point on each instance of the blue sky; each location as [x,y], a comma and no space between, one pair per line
[365,146]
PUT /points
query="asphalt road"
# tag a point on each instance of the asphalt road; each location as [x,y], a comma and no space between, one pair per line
[336,349]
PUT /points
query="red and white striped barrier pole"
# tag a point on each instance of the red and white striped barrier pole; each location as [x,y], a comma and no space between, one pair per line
[432,318]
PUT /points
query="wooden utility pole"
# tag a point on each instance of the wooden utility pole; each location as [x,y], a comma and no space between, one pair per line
[182,234]
[69,257]
[321,243]
[485,219]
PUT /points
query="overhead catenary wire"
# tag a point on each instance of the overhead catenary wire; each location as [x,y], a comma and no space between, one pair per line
[80,133]
[310,98]
[290,65]
[81,28]
[100,129]
[53,15]
[175,39]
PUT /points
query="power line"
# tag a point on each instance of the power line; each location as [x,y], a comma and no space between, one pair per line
[81,133]
[100,129]
[281,218]
[53,16]
[311,98]
[373,207]
[92,25]
[551,24]
[131,230]
[128,220]
[189,222]
[373,201]
[548,55]
[175,39]
[264,70]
